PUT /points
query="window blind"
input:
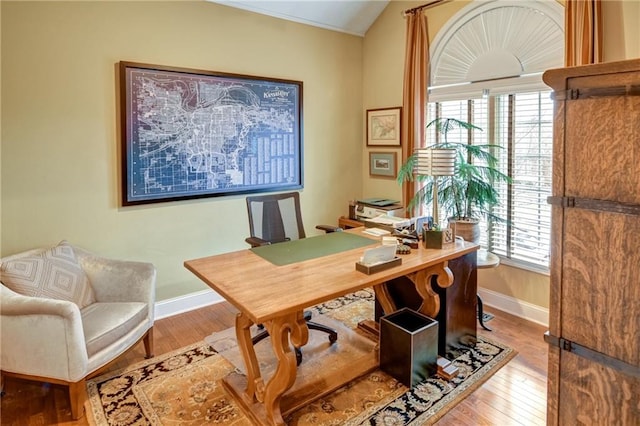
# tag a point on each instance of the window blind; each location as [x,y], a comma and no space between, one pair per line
[521,125]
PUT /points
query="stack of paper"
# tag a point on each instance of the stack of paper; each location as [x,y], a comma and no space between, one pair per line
[396,222]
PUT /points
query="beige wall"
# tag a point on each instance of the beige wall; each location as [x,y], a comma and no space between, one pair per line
[59,153]
[383,73]
[60,141]
[621,30]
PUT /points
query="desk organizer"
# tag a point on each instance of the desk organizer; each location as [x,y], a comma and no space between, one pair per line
[378,267]
[438,239]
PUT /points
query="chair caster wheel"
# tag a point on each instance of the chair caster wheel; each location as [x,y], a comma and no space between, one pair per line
[333,338]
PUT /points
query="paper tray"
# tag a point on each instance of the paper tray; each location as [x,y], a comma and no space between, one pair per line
[379,267]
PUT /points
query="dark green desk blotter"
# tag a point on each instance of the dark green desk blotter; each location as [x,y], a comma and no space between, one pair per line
[309,248]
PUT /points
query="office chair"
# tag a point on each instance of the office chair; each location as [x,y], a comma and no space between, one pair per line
[273,219]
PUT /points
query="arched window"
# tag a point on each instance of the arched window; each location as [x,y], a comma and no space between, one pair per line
[487,66]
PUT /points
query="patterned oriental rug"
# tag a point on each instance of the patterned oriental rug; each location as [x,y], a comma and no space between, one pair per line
[184,387]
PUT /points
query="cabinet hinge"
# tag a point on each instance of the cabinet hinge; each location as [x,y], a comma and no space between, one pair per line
[562,201]
[607,206]
[595,92]
[591,355]
[558,342]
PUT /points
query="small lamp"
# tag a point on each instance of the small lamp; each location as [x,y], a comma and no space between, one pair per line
[435,162]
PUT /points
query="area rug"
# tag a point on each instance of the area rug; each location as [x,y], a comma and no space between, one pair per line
[320,357]
[184,386]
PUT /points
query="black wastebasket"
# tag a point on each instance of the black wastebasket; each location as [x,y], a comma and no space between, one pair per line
[408,346]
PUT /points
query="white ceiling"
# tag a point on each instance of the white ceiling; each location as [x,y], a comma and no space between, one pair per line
[347,16]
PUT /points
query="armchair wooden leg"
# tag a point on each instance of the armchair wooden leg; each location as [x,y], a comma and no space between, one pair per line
[148,343]
[77,397]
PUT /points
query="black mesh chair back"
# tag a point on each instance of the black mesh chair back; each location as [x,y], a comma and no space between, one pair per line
[275,217]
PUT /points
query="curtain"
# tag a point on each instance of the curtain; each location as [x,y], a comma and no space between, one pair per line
[414,94]
[583,32]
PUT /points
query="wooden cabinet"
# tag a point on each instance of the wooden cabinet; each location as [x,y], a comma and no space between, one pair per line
[594,318]
[346,223]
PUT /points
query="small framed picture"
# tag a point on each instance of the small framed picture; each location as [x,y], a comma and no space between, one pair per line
[383,126]
[382,164]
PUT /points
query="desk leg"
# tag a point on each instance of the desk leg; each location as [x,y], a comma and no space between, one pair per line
[386,302]
[422,280]
[384,298]
[282,330]
[255,384]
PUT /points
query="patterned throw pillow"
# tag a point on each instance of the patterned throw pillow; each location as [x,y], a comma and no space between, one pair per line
[53,274]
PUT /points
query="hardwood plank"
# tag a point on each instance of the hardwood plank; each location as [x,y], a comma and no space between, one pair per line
[511,401]
[498,401]
[464,414]
[530,393]
[491,410]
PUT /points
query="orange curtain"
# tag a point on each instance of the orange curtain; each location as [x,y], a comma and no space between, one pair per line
[583,32]
[414,94]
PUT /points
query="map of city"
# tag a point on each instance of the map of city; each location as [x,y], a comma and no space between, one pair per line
[193,135]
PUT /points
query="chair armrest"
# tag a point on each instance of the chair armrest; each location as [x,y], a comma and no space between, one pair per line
[328,228]
[41,337]
[256,242]
[115,280]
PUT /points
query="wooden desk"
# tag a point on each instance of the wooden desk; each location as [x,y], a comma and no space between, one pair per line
[276,296]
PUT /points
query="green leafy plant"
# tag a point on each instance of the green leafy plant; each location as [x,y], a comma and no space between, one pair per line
[468,194]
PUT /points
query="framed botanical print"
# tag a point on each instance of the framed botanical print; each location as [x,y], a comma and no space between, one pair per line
[383,127]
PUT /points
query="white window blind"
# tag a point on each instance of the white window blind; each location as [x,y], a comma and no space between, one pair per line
[521,124]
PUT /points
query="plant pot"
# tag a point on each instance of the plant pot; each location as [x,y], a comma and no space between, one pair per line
[469,229]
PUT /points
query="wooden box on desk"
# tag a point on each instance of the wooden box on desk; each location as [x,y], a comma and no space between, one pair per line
[372,269]
[438,239]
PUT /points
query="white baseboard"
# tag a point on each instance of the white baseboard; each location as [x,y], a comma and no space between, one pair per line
[186,303]
[513,306]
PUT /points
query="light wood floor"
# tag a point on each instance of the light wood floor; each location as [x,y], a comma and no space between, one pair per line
[515,395]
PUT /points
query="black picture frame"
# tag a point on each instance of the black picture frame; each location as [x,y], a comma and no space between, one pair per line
[189,133]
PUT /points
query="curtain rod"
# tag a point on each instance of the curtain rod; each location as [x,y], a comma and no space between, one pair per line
[424,6]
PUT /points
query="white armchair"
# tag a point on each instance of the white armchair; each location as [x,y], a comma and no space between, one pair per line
[65,342]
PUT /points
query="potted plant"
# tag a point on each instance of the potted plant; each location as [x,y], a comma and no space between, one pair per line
[469,194]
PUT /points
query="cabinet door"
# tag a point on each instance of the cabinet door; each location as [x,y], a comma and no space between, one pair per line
[595,304]
[600,289]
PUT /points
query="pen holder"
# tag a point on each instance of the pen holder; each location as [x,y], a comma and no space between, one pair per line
[437,239]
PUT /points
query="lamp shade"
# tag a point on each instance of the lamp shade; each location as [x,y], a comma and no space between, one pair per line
[435,161]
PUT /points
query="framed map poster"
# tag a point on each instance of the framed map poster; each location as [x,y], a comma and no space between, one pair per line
[192,134]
